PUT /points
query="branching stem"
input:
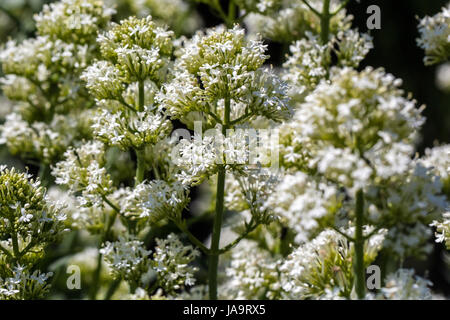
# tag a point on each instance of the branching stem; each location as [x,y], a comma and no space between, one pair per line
[359,246]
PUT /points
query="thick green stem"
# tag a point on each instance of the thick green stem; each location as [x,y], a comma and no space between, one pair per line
[15,245]
[96,280]
[215,241]
[359,246]
[141,96]
[44,173]
[214,251]
[112,288]
[325,18]
[110,223]
[140,166]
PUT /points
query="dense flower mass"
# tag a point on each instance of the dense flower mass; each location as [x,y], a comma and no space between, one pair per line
[219,68]
[73,20]
[324,265]
[435,36]
[292,19]
[180,162]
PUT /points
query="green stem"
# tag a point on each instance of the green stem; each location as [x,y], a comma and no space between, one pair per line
[140,166]
[317,13]
[231,11]
[141,96]
[110,223]
[359,246]
[182,226]
[15,245]
[96,281]
[112,288]
[6,252]
[214,251]
[252,226]
[217,227]
[325,18]
[216,5]
[44,172]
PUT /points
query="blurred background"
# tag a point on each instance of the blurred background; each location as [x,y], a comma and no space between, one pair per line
[395,50]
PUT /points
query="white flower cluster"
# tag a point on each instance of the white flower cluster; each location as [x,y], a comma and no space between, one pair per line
[177,14]
[39,139]
[404,285]
[39,58]
[24,285]
[28,220]
[355,119]
[42,74]
[435,37]
[293,18]
[253,274]
[407,204]
[438,158]
[223,64]
[125,129]
[324,265]
[353,47]
[443,229]
[153,201]
[307,65]
[79,216]
[258,6]
[127,258]
[103,80]
[249,192]
[138,48]
[302,203]
[73,20]
[83,170]
[310,61]
[172,260]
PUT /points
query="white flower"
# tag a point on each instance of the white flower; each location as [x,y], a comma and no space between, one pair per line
[127,258]
[435,36]
[83,170]
[154,200]
[301,202]
[103,80]
[172,260]
[125,129]
[252,273]
[18,285]
[403,285]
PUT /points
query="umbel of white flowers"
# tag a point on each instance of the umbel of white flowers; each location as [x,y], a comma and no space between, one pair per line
[28,224]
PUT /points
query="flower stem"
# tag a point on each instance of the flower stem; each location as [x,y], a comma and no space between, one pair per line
[141,96]
[15,245]
[325,18]
[359,246]
[140,166]
[215,241]
[96,281]
[214,251]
